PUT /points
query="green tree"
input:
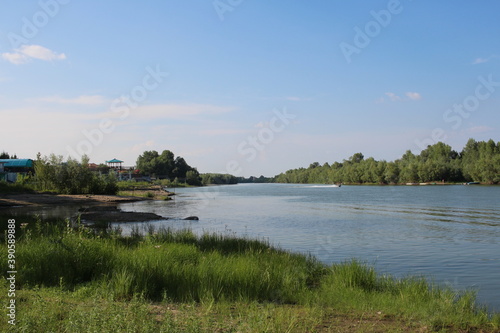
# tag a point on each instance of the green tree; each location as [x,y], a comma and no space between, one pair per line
[391,173]
[479,161]
[5,156]
[193,178]
[164,165]
[147,162]
[408,166]
[180,168]
[487,164]
[71,177]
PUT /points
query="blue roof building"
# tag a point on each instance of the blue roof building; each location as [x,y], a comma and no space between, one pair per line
[17,163]
[9,168]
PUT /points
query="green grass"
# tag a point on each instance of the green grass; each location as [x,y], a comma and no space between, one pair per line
[131,185]
[144,194]
[14,188]
[141,194]
[175,281]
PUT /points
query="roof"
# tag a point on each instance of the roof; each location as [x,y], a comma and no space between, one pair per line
[18,163]
[114,160]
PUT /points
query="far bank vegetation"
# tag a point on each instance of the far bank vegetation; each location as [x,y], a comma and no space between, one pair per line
[478,161]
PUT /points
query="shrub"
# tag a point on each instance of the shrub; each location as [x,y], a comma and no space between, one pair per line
[71,177]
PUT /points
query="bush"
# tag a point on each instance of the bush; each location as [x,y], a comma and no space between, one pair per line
[71,177]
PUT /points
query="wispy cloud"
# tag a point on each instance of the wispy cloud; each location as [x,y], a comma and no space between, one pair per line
[479,129]
[140,147]
[297,99]
[178,111]
[413,96]
[481,60]
[26,53]
[80,100]
[392,96]
[223,131]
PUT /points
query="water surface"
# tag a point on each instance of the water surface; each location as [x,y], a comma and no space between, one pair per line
[448,233]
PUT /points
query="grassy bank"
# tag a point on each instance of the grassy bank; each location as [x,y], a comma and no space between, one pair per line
[143,190]
[14,188]
[174,281]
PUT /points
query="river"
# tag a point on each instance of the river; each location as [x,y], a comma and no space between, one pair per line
[450,234]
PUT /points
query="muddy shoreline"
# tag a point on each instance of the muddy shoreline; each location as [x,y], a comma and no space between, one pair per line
[94,208]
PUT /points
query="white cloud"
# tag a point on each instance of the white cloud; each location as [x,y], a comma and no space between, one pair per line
[297,99]
[177,111]
[223,131]
[26,53]
[392,96]
[481,60]
[479,129]
[140,147]
[413,96]
[80,100]
[15,58]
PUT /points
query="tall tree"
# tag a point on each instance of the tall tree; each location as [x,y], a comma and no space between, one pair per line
[5,156]
[164,165]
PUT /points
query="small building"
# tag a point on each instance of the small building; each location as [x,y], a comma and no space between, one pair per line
[115,164]
[10,168]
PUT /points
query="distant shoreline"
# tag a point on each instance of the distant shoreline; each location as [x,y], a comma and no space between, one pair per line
[401,184]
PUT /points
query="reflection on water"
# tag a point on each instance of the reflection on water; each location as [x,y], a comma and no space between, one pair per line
[45,213]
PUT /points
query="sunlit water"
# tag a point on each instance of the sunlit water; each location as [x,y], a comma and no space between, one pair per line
[450,234]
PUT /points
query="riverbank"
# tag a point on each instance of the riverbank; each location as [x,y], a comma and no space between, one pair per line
[45,199]
[153,192]
[89,208]
[174,281]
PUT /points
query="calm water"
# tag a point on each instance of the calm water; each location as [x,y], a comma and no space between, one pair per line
[448,233]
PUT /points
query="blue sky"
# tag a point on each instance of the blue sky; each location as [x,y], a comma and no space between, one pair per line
[247,87]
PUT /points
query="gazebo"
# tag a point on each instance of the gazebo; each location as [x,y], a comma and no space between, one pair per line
[115,164]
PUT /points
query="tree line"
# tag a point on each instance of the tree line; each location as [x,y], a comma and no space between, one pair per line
[167,166]
[5,156]
[478,161]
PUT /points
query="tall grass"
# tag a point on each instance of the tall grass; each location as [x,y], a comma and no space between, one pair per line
[179,266]
[14,187]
